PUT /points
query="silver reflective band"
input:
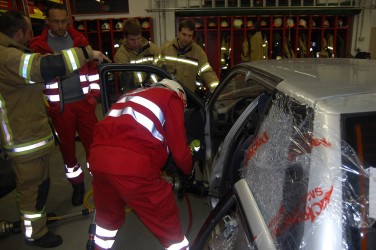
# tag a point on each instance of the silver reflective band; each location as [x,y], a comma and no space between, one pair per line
[147,104]
[73,172]
[100,231]
[72,59]
[139,76]
[93,77]
[105,244]
[94,86]
[4,121]
[140,118]
[179,245]
[85,90]
[52,85]
[53,98]
[32,146]
[32,216]
[28,228]
[204,68]
[142,60]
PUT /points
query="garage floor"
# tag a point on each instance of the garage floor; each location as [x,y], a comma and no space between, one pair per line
[74,231]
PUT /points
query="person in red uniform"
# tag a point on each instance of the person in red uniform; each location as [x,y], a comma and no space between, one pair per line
[130,147]
[77,93]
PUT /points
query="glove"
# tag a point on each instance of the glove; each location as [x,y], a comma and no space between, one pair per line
[186,182]
[195,147]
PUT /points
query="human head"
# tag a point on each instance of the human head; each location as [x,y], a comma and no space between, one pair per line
[16,26]
[173,86]
[132,31]
[57,19]
[186,32]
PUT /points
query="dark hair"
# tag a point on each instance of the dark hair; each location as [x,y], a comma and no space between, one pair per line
[188,24]
[11,21]
[55,6]
[131,27]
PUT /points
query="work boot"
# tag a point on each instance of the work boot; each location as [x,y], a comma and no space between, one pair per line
[78,194]
[46,241]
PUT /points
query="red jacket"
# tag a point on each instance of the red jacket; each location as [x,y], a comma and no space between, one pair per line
[89,76]
[131,140]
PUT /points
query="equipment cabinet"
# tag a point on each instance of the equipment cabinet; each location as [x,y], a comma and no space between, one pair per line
[106,35]
[222,37]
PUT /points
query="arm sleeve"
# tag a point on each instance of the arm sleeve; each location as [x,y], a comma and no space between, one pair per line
[43,68]
[176,135]
[207,75]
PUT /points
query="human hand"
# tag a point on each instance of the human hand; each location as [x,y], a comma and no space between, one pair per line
[99,57]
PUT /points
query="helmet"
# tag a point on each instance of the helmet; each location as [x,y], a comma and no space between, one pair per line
[326,23]
[263,23]
[303,23]
[277,22]
[105,26]
[313,24]
[173,86]
[198,24]
[238,23]
[145,25]
[119,26]
[339,22]
[290,22]
[81,27]
[224,24]
[212,24]
[250,24]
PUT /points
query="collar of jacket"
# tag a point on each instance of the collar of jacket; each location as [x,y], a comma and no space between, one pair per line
[6,41]
[39,43]
[145,45]
[181,51]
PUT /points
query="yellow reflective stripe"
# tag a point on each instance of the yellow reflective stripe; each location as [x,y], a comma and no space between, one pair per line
[214,84]
[30,147]
[7,131]
[71,59]
[182,60]
[25,65]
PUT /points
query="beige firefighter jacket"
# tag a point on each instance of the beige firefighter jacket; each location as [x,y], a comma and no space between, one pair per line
[25,132]
[147,54]
[187,65]
[254,47]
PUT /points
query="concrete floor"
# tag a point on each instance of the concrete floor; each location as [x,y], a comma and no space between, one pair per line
[74,231]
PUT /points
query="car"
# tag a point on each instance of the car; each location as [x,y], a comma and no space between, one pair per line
[297,168]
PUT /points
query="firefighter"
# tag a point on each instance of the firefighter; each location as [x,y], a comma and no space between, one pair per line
[186,60]
[26,135]
[254,47]
[75,112]
[138,50]
[131,146]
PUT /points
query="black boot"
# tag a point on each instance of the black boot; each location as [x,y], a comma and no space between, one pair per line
[78,194]
[46,241]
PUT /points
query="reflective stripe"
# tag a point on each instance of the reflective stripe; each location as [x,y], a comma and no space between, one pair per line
[100,231]
[85,90]
[92,78]
[53,98]
[52,85]
[4,122]
[154,78]
[83,78]
[147,104]
[73,172]
[32,216]
[214,84]
[28,228]
[140,118]
[19,149]
[180,245]
[204,68]
[71,59]
[139,76]
[182,60]
[94,86]
[104,244]
[142,60]
[25,65]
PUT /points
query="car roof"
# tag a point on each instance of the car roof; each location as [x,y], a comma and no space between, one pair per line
[317,80]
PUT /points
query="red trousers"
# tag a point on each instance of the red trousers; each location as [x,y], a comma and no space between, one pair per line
[152,200]
[77,117]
